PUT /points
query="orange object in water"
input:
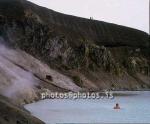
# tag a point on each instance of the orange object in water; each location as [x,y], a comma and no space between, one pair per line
[117,106]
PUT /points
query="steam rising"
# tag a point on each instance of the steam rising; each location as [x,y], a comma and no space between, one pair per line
[16,74]
[15,81]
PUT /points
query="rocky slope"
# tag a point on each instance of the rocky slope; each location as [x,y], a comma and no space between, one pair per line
[23,78]
[105,54]
[41,49]
[12,114]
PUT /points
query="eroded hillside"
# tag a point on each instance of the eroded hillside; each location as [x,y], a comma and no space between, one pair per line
[100,55]
[41,49]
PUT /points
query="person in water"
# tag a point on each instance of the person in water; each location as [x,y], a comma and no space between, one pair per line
[117,106]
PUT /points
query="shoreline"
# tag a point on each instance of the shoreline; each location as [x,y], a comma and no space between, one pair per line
[58,107]
[115,94]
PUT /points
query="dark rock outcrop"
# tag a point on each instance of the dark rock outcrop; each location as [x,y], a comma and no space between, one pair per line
[13,114]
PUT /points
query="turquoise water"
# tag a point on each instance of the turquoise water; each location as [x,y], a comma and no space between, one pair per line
[134,109]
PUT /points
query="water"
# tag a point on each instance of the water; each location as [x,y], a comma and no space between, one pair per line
[134,109]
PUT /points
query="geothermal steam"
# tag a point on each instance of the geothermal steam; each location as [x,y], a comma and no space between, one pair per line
[14,80]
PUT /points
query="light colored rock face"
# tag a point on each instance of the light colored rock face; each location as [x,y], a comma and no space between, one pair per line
[20,73]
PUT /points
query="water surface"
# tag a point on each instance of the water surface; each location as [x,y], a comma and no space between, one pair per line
[134,109]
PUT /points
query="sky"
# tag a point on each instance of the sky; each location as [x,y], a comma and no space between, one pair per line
[131,13]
